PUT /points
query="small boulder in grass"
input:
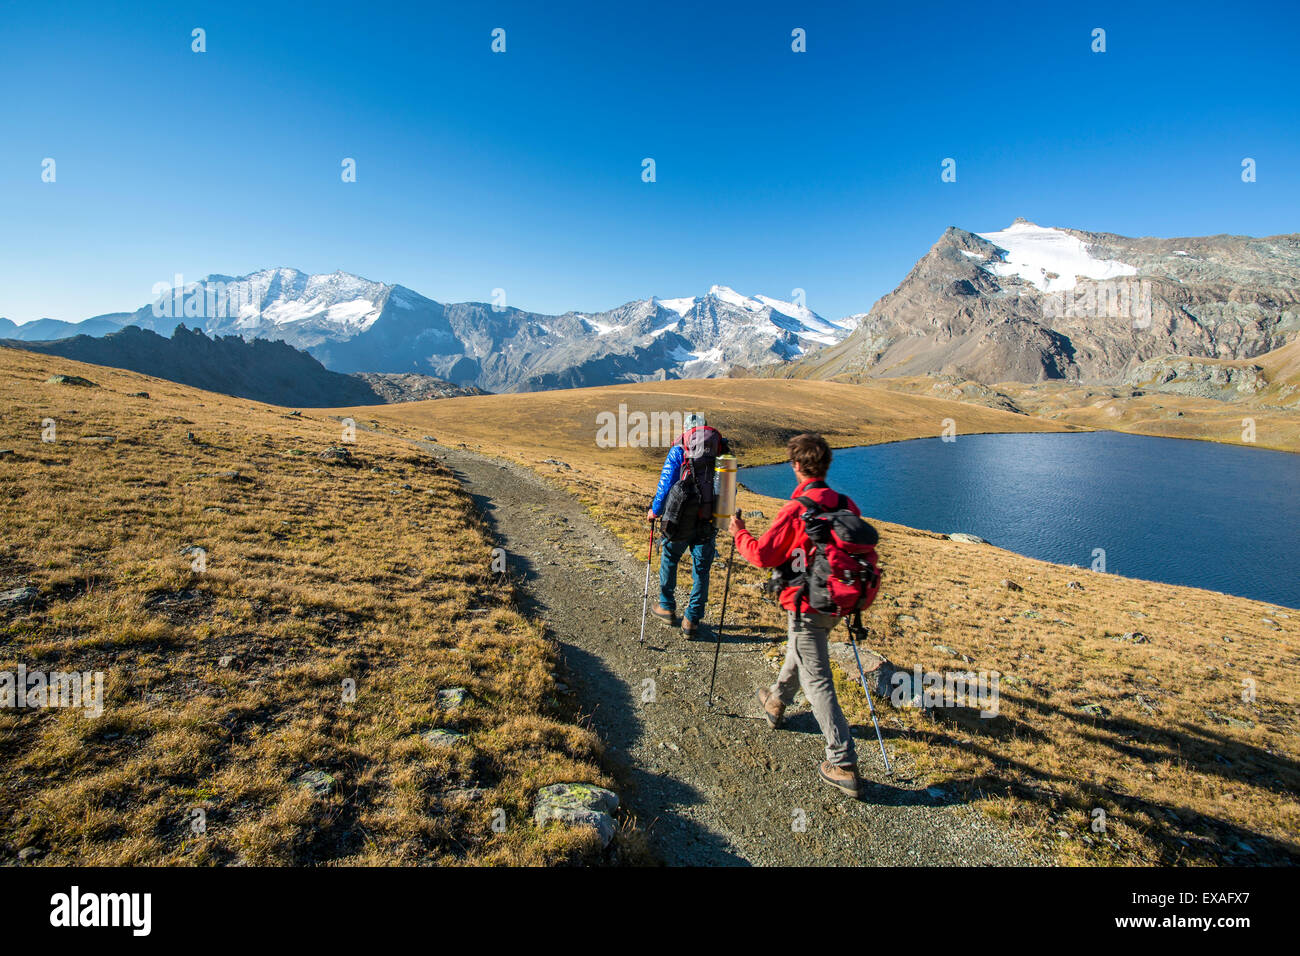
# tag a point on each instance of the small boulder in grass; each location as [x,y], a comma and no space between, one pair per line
[442,738]
[577,804]
[20,597]
[316,782]
[451,697]
[71,380]
[966,538]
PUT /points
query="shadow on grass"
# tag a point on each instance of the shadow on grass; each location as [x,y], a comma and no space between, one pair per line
[1178,833]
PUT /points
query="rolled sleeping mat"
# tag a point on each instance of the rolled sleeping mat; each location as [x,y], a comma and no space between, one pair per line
[724,489]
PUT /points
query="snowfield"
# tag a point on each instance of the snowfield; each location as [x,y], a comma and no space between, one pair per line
[1050,259]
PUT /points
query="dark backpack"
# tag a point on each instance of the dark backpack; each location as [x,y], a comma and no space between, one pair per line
[689,503]
[841,575]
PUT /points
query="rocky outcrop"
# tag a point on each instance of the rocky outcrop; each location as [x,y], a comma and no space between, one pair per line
[394,387]
[1186,376]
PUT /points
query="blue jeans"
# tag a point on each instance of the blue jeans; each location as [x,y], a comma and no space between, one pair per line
[702,548]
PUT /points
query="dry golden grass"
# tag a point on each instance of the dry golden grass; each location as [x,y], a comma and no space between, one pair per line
[376,572]
[1177,781]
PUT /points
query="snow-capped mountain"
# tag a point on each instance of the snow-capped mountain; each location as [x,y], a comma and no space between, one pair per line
[354,325]
[1031,302]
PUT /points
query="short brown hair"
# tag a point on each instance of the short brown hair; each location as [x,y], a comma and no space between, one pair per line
[811,453]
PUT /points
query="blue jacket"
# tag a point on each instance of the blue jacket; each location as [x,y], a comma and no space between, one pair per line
[672,469]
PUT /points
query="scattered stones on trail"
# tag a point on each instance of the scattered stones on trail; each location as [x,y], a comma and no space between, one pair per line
[451,698]
[577,804]
[70,380]
[967,538]
[441,737]
[316,782]
[19,597]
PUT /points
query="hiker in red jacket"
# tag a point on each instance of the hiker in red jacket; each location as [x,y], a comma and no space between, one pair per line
[807,659]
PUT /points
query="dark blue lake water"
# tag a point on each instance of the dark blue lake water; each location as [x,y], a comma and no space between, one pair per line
[1214,516]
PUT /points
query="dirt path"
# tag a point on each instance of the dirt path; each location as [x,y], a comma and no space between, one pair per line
[710,787]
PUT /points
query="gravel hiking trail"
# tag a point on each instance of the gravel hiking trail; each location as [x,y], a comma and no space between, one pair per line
[709,787]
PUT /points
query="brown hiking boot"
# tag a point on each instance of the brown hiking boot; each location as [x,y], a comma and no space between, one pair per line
[665,615]
[843,778]
[689,628]
[773,709]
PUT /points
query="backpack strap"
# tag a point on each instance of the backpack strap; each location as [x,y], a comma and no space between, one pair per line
[841,502]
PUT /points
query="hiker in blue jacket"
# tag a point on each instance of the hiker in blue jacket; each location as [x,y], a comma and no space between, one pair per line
[692,458]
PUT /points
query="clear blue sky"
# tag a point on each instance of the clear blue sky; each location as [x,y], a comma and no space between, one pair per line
[522,170]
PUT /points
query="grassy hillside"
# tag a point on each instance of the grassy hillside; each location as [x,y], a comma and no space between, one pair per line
[1184,768]
[224,684]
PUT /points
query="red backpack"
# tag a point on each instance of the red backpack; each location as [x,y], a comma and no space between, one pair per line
[842,576]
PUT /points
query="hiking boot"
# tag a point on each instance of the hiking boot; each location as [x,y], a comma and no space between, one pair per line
[665,615]
[843,778]
[690,628]
[773,709]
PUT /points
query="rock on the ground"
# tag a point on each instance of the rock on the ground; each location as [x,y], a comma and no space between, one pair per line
[577,804]
[71,380]
[967,538]
[316,782]
[441,737]
[877,670]
[450,698]
[19,597]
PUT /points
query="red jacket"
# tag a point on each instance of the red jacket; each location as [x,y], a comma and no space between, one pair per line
[786,534]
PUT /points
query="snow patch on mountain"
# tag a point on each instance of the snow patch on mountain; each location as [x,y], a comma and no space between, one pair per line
[1050,259]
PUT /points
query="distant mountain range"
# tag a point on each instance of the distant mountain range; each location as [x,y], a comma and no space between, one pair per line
[354,325]
[1024,304]
[265,371]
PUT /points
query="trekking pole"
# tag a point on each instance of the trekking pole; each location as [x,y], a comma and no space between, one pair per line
[645,596]
[870,706]
[722,618]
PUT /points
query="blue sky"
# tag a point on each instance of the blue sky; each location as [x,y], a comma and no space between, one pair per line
[522,170]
